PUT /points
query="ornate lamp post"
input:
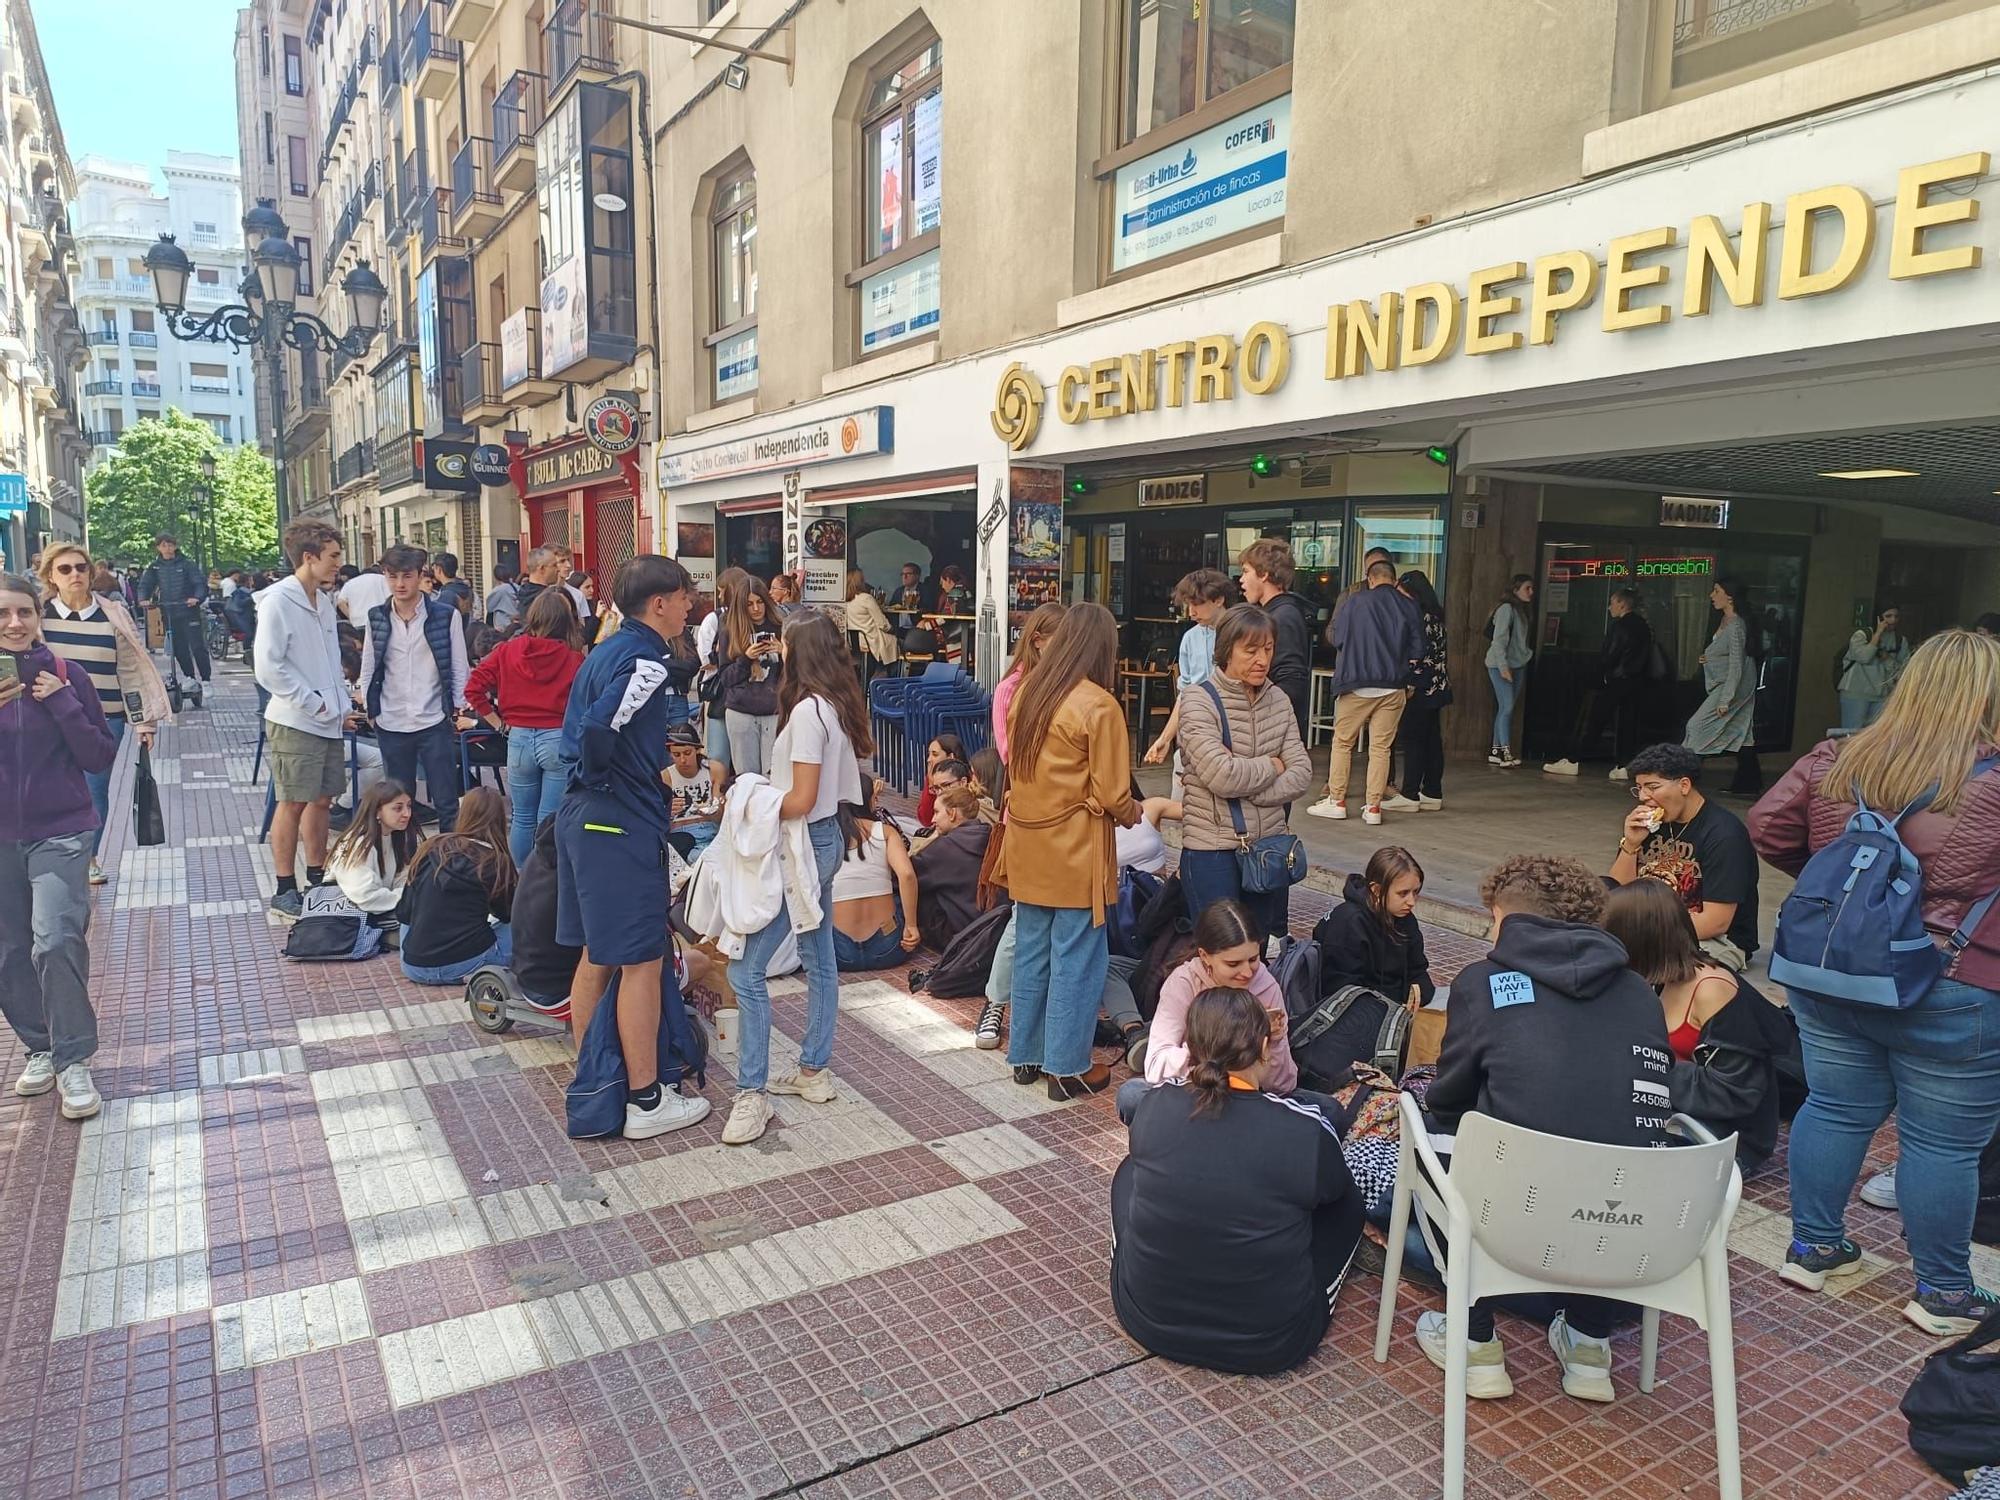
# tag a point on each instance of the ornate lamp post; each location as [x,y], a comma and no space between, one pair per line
[204,511]
[267,319]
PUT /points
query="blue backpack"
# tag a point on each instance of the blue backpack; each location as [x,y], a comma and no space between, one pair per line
[594,1103]
[1852,930]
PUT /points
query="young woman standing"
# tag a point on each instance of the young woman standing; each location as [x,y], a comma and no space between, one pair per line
[1070,789]
[747,686]
[95,632]
[1510,650]
[1421,733]
[1035,637]
[521,688]
[1723,724]
[816,767]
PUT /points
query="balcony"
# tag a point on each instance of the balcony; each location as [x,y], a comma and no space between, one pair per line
[434,223]
[140,340]
[577,43]
[410,190]
[479,398]
[521,382]
[517,115]
[105,388]
[475,202]
[104,336]
[430,57]
[354,464]
[464,20]
[146,390]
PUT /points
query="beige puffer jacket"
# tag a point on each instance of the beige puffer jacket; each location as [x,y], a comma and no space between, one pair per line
[1258,731]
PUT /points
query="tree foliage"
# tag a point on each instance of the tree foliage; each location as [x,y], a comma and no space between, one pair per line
[149,484]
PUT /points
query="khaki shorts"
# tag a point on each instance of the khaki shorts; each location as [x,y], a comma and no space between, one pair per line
[304,767]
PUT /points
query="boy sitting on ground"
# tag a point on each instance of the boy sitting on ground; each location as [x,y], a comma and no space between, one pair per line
[690,782]
[1551,1031]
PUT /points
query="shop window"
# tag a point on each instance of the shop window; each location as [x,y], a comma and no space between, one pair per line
[1414,535]
[733,241]
[295,67]
[1699,46]
[901,201]
[1181,55]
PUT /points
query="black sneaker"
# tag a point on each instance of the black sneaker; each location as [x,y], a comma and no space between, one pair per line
[918,979]
[986,1035]
[1950,1314]
[1027,1073]
[1810,1265]
[288,904]
[1135,1050]
[1108,1034]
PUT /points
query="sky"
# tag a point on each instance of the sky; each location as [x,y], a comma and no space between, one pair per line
[135,78]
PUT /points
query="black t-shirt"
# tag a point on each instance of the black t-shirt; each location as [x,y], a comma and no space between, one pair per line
[1708,858]
[1215,1260]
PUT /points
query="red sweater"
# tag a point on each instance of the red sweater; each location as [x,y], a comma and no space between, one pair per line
[530,676]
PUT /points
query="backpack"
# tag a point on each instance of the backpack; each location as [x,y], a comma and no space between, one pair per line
[1953,1406]
[1171,945]
[594,1103]
[331,930]
[1852,930]
[1986,1208]
[962,969]
[1137,891]
[1351,1027]
[1296,968]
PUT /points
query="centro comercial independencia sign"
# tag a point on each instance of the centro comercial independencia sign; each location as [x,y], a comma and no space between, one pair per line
[855,435]
[1826,242]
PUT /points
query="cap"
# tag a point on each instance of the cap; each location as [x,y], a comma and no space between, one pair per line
[683,734]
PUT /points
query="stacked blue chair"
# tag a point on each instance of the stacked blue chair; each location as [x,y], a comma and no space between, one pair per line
[886,725]
[944,700]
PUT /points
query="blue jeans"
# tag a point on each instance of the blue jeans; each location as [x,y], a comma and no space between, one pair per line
[748,977]
[501,952]
[1937,1065]
[1859,713]
[1504,695]
[1060,959]
[99,782]
[536,780]
[853,955]
[436,750]
[1211,875]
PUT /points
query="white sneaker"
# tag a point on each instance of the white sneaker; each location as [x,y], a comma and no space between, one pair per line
[1878,1191]
[749,1117]
[673,1112]
[1431,804]
[1396,802]
[1327,807]
[79,1095]
[1372,816]
[1586,1362]
[1486,1377]
[814,1088]
[1619,773]
[38,1077]
[1564,767]
[1508,759]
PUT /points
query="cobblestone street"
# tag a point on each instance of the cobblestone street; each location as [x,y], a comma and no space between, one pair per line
[328,1239]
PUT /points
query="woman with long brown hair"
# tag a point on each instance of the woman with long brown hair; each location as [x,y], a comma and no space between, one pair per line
[521,688]
[1935,1061]
[816,767]
[1069,790]
[458,895]
[707,645]
[866,619]
[746,688]
[1036,634]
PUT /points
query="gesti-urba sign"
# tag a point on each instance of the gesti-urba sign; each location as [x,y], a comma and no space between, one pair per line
[1826,242]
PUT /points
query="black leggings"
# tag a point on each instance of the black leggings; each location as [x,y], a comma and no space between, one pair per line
[1615,705]
[1421,739]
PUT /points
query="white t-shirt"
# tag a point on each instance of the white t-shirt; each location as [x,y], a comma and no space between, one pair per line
[1140,847]
[690,792]
[813,735]
[360,594]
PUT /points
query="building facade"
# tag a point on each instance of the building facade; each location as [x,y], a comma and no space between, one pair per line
[135,372]
[42,443]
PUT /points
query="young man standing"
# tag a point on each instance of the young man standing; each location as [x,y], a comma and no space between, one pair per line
[1698,847]
[360,594]
[503,601]
[1379,638]
[1622,663]
[612,830]
[305,721]
[454,590]
[179,588]
[1267,583]
[413,671]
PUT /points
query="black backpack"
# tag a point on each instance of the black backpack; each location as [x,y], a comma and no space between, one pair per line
[1352,1025]
[1953,1406]
[962,969]
[331,930]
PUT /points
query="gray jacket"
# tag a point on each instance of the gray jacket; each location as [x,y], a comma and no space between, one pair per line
[1212,775]
[1510,647]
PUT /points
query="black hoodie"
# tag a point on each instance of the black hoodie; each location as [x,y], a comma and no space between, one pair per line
[1291,656]
[1733,1082]
[1356,948]
[1552,1031]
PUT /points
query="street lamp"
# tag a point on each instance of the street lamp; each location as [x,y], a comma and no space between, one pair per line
[267,318]
[204,498]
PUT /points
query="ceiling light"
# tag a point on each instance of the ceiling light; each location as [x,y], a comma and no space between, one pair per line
[1868,474]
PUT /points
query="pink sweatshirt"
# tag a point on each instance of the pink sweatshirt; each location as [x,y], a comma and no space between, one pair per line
[1003,699]
[1166,1043]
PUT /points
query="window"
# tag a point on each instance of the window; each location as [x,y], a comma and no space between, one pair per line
[295,156]
[1183,54]
[1702,45]
[207,276]
[902,202]
[204,234]
[264,49]
[270,141]
[218,425]
[142,320]
[305,248]
[202,371]
[103,266]
[733,233]
[295,67]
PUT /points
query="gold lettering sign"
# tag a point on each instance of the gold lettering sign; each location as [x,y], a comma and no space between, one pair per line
[567,467]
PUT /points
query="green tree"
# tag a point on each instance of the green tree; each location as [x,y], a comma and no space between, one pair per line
[150,484]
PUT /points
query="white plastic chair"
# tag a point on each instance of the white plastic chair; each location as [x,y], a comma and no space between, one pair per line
[1526,1212]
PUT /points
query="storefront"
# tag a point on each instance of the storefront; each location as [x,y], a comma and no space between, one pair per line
[578,496]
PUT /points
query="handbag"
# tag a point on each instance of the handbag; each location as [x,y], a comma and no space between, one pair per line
[1953,1406]
[1276,862]
[149,823]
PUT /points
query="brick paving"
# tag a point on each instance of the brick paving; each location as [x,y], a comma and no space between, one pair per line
[327,1239]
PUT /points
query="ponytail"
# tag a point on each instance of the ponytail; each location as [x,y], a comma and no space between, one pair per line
[1227,1032]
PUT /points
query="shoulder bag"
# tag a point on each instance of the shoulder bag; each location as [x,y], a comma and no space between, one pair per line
[1276,862]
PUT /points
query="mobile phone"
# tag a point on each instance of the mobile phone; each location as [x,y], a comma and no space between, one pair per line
[10,668]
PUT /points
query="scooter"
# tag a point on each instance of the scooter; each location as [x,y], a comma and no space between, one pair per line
[176,690]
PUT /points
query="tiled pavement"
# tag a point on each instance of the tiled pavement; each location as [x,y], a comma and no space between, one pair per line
[327,1239]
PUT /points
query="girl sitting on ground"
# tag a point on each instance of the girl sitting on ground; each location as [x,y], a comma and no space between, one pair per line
[458,895]
[874,890]
[946,747]
[1228,954]
[1372,938]
[1233,1216]
[369,859]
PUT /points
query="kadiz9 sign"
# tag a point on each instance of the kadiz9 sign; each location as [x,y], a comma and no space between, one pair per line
[612,425]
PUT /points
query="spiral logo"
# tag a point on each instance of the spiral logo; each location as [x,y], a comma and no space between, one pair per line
[1017,407]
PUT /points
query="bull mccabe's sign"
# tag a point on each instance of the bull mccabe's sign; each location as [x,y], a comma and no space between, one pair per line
[1826,242]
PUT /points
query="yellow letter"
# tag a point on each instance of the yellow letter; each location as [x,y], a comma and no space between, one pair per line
[1548,299]
[1796,277]
[1709,256]
[1104,390]
[1138,383]
[1482,307]
[1622,279]
[1371,335]
[1333,337]
[1176,356]
[1915,213]
[1272,346]
[1212,355]
[1070,405]
[1441,322]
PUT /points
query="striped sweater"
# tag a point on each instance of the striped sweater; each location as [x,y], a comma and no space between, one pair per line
[87,641]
